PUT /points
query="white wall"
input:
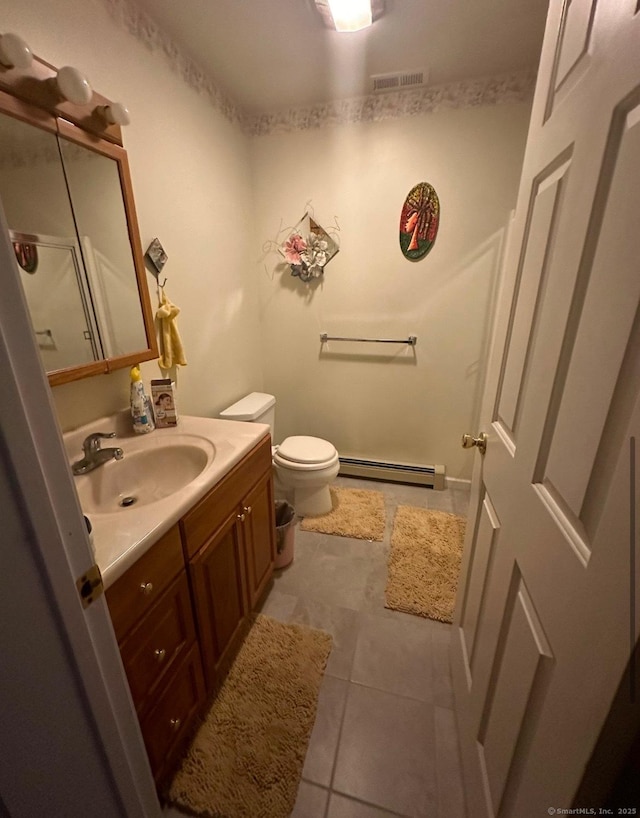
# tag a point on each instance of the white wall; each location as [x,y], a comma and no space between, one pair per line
[192,189]
[378,401]
[213,196]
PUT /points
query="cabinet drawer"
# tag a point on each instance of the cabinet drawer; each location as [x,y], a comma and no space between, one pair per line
[131,596]
[168,724]
[159,642]
[202,521]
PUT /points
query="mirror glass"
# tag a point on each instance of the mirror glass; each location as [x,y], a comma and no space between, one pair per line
[96,199]
[64,206]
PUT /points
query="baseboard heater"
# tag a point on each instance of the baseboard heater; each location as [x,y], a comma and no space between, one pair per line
[432,477]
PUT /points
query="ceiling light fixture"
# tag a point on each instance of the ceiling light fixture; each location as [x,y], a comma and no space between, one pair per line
[349,15]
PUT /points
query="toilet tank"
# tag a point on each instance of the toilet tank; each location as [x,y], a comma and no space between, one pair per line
[257,407]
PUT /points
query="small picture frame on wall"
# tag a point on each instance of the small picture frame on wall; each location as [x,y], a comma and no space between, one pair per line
[156,255]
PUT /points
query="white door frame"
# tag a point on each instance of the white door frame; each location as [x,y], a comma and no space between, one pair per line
[71,743]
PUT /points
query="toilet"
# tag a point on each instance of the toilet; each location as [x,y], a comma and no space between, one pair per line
[304,466]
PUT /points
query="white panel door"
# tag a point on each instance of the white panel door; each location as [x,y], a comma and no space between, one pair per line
[543,630]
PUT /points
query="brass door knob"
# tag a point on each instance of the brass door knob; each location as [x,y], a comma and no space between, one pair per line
[469,441]
[160,654]
[175,724]
[146,588]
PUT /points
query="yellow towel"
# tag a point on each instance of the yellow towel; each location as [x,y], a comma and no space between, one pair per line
[172,351]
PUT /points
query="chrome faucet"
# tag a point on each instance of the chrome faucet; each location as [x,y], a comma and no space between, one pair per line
[94,456]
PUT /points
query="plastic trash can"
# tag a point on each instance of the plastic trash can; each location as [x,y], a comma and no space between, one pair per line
[285,533]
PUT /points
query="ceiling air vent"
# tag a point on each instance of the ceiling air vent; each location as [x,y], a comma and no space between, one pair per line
[398,80]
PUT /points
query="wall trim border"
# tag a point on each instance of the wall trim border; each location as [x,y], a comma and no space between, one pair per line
[513,87]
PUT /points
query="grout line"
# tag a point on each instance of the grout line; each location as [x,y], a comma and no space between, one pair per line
[437,758]
[370,804]
[335,757]
[432,705]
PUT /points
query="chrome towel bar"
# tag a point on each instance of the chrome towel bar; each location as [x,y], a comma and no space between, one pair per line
[412,340]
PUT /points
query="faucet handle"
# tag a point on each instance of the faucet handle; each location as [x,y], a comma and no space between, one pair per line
[92,442]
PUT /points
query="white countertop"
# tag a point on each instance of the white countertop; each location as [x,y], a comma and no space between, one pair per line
[122,536]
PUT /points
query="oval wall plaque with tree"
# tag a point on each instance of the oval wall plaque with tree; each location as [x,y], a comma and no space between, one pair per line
[419,221]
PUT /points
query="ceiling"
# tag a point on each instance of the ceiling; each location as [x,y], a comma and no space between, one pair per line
[270,55]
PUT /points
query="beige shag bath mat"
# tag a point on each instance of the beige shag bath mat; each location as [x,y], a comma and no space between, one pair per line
[356,513]
[424,563]
[246,759]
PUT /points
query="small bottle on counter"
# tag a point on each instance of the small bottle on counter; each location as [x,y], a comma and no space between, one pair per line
[141,411]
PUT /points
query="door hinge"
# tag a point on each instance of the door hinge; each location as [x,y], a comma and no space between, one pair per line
[90,586]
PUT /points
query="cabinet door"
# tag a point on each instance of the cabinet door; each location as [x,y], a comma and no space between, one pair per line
[260,537]
[219,585]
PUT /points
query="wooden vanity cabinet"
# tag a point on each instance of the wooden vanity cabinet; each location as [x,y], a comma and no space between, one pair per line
[216,562]
[229,540]
[151,611]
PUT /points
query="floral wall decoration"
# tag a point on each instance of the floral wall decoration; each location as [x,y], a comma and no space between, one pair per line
[419,221]
[308,249]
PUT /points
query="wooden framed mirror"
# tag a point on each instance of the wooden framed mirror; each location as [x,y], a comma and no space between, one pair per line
[66,191]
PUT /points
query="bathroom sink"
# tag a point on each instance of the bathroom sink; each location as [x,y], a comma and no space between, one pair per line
[151,470]
[133,501]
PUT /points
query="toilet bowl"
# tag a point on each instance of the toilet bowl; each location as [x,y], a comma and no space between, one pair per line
[307,465]
[304,466]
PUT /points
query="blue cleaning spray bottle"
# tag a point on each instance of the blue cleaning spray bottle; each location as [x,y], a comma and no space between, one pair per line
[141,411]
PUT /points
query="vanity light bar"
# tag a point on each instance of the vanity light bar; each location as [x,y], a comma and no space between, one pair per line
[65,92]
[73,85]
[14,52]
[115,113]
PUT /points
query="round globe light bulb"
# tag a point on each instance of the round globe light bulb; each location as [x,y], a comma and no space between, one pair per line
[14,52]
[116,114]
[73,85]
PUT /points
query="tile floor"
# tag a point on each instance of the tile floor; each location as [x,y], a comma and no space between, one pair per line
[385,742]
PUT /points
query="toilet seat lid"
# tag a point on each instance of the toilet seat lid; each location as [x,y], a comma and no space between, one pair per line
[305,449]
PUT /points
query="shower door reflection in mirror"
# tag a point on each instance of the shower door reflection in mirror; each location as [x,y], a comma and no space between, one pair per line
[38,211]
[58,300]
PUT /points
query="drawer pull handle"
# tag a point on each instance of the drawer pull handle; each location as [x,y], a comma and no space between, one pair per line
[146,588]
[241,517]
[175,723]
[247,509]
[160,653]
